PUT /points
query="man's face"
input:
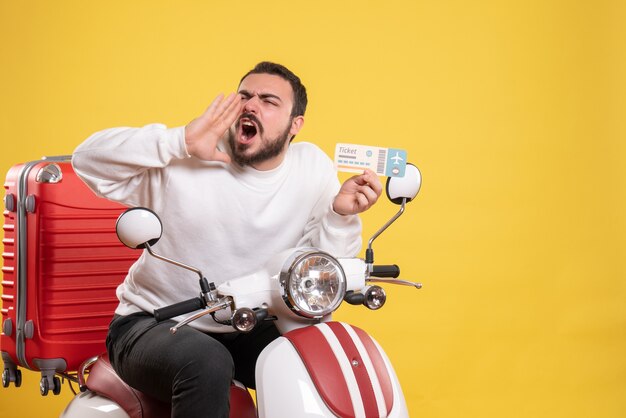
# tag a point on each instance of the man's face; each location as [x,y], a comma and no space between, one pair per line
[261,135]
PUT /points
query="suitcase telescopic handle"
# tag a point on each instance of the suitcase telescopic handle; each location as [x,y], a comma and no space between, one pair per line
[179,308]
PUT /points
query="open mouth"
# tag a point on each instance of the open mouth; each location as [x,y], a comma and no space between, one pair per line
[248,130]
[249,126]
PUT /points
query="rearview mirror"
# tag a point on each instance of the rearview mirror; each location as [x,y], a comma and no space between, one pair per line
[137,226]
[407,187]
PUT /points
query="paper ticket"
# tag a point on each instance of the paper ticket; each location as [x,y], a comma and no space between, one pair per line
[390,162]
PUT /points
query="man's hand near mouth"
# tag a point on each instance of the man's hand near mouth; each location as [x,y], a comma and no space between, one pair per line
[203,133]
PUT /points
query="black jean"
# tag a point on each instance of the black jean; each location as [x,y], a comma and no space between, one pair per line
[191,369]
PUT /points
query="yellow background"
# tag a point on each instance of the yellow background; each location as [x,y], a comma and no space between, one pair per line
[513,110]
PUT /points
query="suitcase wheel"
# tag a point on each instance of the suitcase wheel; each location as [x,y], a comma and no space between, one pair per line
[57,386]
[44,385]
[8,377]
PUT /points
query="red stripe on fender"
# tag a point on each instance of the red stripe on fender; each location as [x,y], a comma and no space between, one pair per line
[324,369]
[379,365]
[360,372]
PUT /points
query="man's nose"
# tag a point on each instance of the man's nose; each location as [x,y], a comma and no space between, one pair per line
[251,105]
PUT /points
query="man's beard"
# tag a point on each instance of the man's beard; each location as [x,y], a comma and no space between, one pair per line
[270,148]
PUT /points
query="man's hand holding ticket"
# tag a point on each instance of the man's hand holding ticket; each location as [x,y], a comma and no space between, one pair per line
[390,162]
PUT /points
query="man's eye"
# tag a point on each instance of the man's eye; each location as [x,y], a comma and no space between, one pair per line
[273,103]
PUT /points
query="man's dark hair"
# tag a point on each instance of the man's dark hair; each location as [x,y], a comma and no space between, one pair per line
[299,91]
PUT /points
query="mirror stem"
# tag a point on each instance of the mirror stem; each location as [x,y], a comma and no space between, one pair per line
[369,253]
[176,263]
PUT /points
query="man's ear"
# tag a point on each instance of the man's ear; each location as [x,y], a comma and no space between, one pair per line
[296,125]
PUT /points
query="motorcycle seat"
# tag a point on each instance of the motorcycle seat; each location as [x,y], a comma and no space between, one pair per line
[104,381]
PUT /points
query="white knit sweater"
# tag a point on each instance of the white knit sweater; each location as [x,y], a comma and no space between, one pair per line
[226,220]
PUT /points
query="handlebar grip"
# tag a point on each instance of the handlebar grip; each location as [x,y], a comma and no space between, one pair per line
[386,270]
[179,308]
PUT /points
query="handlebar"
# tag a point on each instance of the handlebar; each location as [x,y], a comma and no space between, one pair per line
[179,308]
[385,270]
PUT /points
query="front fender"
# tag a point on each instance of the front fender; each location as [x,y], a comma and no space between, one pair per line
[326,370]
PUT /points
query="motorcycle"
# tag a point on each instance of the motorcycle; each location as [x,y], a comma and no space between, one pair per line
[316,368]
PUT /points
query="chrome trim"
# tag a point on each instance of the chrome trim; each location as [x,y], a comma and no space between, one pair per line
[50,173]
[285,278]
[223,304]
[384,227]
[82,370]
[394,281]
[174,262]
[239,314]
[370,297]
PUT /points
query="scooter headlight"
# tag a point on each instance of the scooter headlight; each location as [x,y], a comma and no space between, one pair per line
[313,284]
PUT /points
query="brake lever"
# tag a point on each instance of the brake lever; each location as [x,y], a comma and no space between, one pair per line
[394,281]
[225,303]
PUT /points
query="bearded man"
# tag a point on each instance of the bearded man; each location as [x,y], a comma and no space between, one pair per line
[232,191]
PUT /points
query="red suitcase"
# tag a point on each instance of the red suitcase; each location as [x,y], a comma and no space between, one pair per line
[61,265]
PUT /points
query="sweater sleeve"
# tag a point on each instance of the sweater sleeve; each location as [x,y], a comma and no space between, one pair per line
[337,234]
[126,165]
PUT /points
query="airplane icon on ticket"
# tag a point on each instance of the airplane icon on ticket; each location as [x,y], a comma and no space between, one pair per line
[397,159]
